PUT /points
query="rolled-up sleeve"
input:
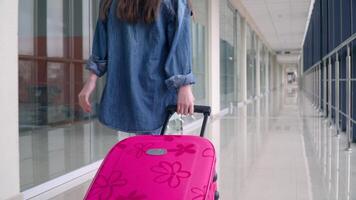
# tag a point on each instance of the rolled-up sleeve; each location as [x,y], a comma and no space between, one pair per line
[97,62]
[178,66]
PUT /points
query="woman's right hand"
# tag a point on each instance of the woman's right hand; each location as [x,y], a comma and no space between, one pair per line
[85,93]
[185,102]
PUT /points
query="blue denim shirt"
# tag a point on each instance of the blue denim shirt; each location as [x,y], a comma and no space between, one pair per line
[145,65]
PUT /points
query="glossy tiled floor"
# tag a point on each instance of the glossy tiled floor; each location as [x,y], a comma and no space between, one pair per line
[262,153]
[330,162]
[276,148]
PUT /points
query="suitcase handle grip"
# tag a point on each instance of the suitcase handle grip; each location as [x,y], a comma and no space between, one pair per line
[205,110]
[197,109]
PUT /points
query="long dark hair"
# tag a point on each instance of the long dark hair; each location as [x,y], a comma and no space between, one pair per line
[133,10]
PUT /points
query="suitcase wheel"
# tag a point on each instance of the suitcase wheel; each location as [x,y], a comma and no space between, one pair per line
[216,195]
[215,177]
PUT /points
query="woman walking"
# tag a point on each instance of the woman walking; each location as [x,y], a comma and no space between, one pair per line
[144,48]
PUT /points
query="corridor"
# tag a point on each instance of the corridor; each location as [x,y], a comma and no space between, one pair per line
[279,78]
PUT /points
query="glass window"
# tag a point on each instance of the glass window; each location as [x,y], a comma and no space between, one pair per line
[228,59]
[251,62]
[26,27]
[199,46]
[55,28]
[56,137]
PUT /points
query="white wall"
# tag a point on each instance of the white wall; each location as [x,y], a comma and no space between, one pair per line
[9,143]
[214,56]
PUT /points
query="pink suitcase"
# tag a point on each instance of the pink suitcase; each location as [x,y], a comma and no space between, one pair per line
[165,167]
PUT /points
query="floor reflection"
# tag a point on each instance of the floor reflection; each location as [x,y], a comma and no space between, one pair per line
[52,152]
[333,164]
[261,150]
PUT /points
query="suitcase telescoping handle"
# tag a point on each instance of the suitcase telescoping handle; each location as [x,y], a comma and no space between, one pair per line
[171,109]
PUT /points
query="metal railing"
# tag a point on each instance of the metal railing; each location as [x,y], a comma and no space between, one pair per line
[322,86]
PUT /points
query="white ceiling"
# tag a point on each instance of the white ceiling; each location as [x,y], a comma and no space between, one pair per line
[281,22]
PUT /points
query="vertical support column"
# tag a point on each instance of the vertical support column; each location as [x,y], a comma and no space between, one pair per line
[272,73]
[236,61]
[337,93]
[9,120]
[214,67]
[324,88]
[310,81]
[330,91]
[300,72]
[214,56]
[348,98]
[319,87]
[348,122]
[275,74]
[314,87]
[281,74]
[243,61]
[275,77]
[258,68]
[316,77]
[278,75]
[267,66]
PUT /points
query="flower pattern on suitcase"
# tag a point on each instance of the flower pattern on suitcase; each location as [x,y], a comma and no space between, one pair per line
[140,149]
[170,173]
[182,149]
[134,195]
[199,192]
[105,185]
[208,153]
